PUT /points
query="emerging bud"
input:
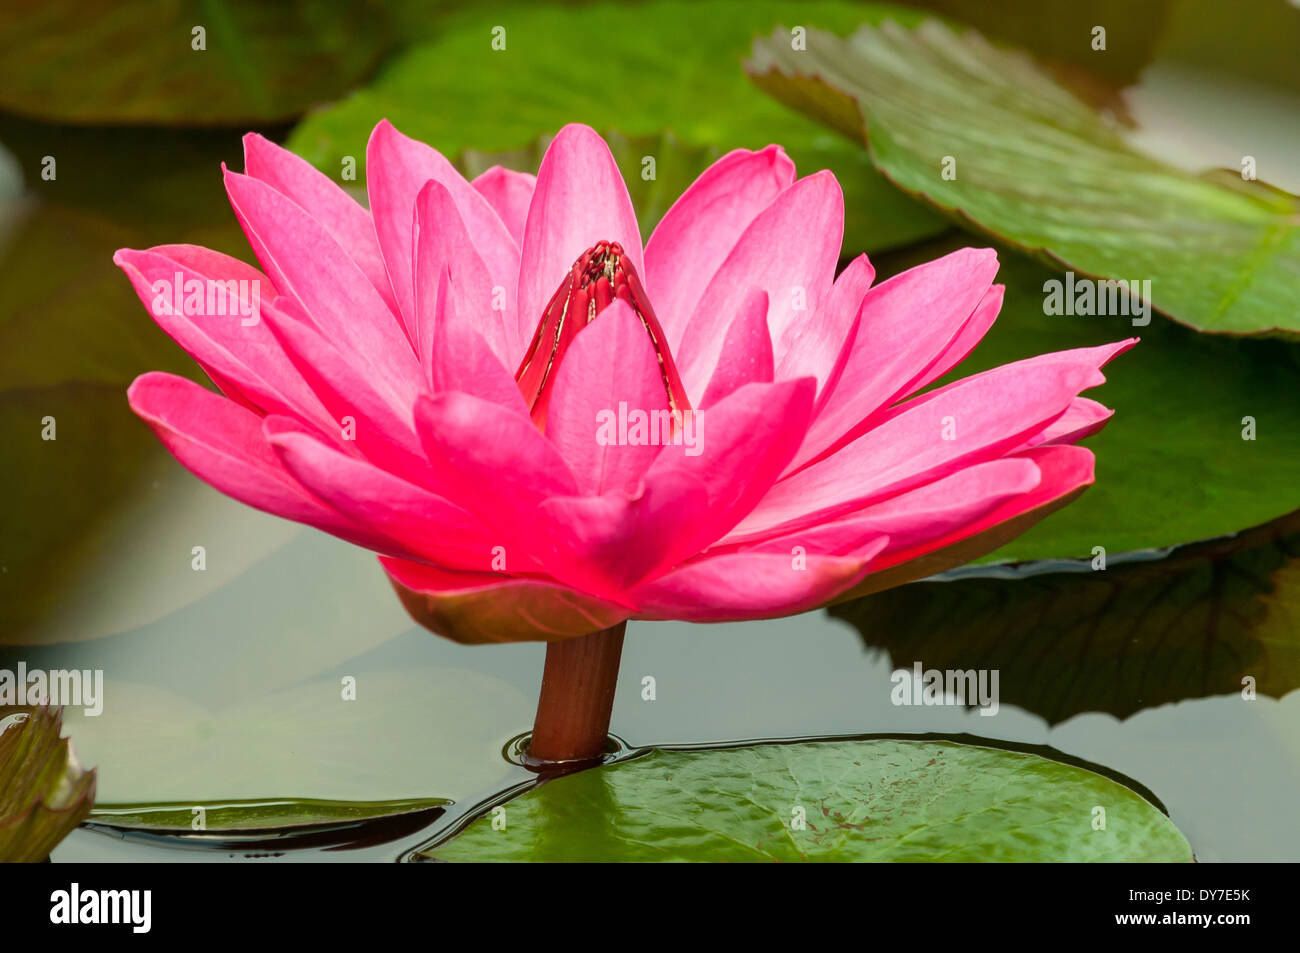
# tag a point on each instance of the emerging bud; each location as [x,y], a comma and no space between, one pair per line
[602,274]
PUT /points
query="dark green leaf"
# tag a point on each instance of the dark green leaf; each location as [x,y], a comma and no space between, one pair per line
[135,61]
[279,815]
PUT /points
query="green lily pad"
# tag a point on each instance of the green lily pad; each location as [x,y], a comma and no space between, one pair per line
[880,800]
[44,792]
[1142,632]
[253,816]
[660,67]
[1172,464]
[1038,168]
[136,62]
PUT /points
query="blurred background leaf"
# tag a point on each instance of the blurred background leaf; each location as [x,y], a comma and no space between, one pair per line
[73,335]
[646,69]
[1142,632]
[82,61]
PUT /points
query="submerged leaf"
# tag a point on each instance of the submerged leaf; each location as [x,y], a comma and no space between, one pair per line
[1132,634]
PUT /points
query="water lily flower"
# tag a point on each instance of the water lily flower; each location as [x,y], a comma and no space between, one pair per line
[546,428]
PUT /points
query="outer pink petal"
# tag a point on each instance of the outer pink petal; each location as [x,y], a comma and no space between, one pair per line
[415,523]
[304,260]
[928,512]
[741,586]
[906,323]
[746,353]
[971,333]
[1064,473]
[222,444]
[812,346]
[509,193]
[693,239]
[443,246]
[580,200]
[989,414]
[611,362]
[397,168]
[244,360]
[477,608]
[312,190]
[790,251]
[1082,418]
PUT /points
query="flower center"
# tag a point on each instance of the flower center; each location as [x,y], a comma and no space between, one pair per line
[600,275]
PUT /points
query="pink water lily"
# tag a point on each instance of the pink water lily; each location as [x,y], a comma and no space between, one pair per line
[459,379]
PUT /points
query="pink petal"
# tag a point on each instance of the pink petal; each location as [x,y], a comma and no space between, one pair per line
[397,168]
[695,236]
[906,322]
[610,373]
[341,215]
[928,512]
[789,250]
[580,200]
[477,608]
[1081,419]
[746,353]
[990,414]
[812,347]
[443,246]
[411,521]
[492,462]
[305,261]
[244,360]
[1062,470]
[380,409]
[509,193]
[741,586]
[460,360]
[605,544]
[740,445]
[222,444]
[959,348]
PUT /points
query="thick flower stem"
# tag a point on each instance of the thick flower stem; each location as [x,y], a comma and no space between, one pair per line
[578,684]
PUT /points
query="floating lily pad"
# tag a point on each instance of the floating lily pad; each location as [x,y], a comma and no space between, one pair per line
[44,792]
[880,800]
[1067,638]
[1173,464]
[988,137]
[660,67]
[137,62]
[254,816]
